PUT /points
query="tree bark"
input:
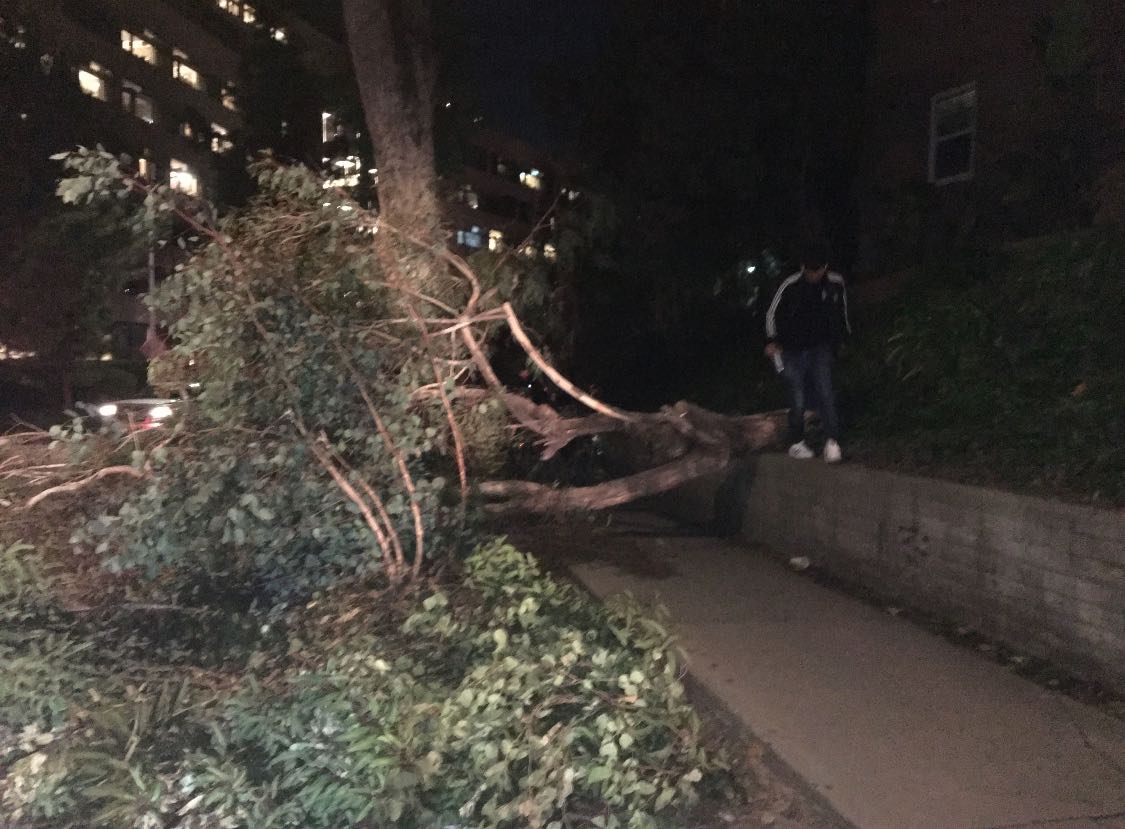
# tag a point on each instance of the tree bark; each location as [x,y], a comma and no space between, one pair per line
[525,496]
[392,50]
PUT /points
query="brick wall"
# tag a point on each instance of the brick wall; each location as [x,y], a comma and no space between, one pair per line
[1045,577]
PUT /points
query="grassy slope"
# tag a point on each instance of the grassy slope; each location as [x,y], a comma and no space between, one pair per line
[1009,373]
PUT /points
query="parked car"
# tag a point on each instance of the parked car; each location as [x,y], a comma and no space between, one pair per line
[138,413]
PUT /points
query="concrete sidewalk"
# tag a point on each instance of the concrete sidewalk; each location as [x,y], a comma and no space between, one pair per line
[896,727]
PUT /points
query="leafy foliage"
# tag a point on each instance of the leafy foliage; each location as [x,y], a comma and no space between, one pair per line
[1009,377]
[282,316]
[508,700]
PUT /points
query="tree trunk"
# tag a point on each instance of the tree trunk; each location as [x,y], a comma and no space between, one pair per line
[392,51]
[395,69]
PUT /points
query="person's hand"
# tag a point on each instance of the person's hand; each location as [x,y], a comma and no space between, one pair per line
[772,350]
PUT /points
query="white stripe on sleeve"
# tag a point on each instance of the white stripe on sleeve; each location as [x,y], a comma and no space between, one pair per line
[839,280]
[771,315]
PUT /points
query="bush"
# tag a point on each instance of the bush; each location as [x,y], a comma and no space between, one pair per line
[309,456]
[1012,377]
[508,700]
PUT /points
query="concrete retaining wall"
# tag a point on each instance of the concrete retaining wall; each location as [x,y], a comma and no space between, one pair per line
[1044,577]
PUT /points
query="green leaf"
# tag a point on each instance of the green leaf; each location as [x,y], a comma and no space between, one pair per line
[599,773]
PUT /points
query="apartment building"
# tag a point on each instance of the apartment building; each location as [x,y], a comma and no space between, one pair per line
[958,88]
[503,195]
[165,75]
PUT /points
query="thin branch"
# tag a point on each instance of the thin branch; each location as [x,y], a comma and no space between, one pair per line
[548,369]
[74,486]
[369,518]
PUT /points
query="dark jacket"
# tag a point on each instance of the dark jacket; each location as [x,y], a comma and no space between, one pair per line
[807,314]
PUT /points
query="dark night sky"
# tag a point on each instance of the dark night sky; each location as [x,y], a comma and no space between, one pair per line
[511,39]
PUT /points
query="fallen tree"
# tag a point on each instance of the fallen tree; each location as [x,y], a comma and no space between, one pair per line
[346,359]
[392,52]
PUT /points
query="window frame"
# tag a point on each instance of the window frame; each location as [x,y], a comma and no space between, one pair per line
[94,70]
[131,93]
[134,38]
[178,169]
[220,139]
[180,62]
[936,102]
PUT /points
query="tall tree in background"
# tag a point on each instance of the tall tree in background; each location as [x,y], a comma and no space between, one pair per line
[393,53]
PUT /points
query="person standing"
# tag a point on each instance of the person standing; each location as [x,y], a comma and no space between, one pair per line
[805,327]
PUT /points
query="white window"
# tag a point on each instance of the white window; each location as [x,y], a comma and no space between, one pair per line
[93,80]
[135,102]
[187,130]
[138,46]
[239,8]
[228,98]
[145,168]
[183,72]
[330,127]
[279,34]
[342,182]
[550,252]
[953,133]
[532,178]
[220,140]
[496,240]
[183,178]
[470,238]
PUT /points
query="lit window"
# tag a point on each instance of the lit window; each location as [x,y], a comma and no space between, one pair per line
[220,140]
[182,178]
[187,130]
[550,252]
[530,251]
[228,98]
[495,240]
[279,34]
[330,127]
[145,168]
[137,103]
[239,8]
[181,71]
[953,130]
[470,238]
[92,80]
[11,354]
[532,178]
[138,47]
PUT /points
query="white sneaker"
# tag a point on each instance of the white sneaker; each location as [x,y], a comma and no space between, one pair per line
[832,452]
[801,451]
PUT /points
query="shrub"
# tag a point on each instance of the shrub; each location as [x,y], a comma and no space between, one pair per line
[1011,378]
[512,700]
[310,456]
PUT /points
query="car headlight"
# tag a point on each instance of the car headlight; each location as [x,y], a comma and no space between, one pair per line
[107,410]
[160,412]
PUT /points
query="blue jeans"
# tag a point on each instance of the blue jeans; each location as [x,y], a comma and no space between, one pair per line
[811,371]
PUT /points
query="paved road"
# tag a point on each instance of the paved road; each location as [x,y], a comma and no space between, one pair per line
[896,727]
